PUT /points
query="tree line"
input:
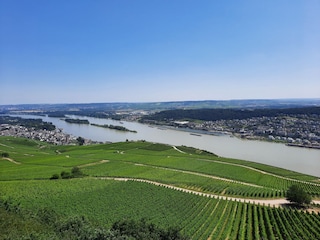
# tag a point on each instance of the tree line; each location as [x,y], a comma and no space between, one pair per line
[114,127]
[37,124]
[227,114]
[77,121]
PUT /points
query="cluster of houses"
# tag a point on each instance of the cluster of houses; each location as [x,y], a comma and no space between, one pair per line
[56,136]
[301,130]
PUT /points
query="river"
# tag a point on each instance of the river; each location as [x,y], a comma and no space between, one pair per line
[302,160]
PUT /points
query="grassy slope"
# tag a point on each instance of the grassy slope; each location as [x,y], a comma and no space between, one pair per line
[105,201]
[192,169]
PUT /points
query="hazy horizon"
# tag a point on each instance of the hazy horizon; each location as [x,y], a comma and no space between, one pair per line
[292,100]
[55,52]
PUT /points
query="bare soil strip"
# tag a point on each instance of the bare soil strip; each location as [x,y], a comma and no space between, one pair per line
[11,160]
[94,163]
[260,171]
[175,148]
[201,175]
[253,169]
[6,145]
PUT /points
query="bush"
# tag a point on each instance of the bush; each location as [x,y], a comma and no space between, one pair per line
[80,141]
[79,228]
[142,230]
[5,155]
[65,175]
[76,172]
[296,194]
[55,176]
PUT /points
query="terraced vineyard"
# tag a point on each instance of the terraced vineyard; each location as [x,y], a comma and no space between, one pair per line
[169,186]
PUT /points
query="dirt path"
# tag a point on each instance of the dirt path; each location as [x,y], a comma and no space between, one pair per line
[94,163]
[271,202]
[201,175]
[11,160]
[253,169]
[6,145]
[263,172]
[175,148]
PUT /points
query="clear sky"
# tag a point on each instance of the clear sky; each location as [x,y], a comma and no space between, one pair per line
[84,51]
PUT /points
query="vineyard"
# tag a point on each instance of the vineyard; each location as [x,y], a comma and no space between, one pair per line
[24,181]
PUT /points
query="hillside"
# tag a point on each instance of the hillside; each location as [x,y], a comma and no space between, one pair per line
[207,114]
[169,186]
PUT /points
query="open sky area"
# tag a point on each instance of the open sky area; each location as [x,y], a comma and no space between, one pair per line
[81,51]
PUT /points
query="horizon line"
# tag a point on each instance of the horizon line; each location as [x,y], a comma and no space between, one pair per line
[168,101]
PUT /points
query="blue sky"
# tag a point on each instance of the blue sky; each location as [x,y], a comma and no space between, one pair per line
[145,51]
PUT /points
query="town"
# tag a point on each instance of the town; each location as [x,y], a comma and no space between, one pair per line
[295,130]
[56,136]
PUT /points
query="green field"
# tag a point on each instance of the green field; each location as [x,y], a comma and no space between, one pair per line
[100,196]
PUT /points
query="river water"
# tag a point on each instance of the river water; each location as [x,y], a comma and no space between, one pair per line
[293,158]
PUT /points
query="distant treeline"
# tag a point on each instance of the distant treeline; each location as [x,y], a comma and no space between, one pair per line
[227,114]
[119,106]
[77,121]
[85,112]
[28,123]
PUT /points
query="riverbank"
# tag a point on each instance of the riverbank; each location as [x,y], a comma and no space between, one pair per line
[303,146]
[198,133]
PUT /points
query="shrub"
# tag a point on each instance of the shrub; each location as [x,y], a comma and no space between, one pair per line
[76,172]
[142,230]
[65,175]
[5,154]
[55,176]
[78,227]
[296,194]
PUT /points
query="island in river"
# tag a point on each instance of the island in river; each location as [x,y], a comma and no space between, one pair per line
[119,128]
[77,121]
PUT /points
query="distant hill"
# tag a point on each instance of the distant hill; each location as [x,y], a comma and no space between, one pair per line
[227,114]
[158,106]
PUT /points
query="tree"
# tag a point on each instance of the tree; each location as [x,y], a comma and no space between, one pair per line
[5,155]
[80,141]
[76,172]
[296,194]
